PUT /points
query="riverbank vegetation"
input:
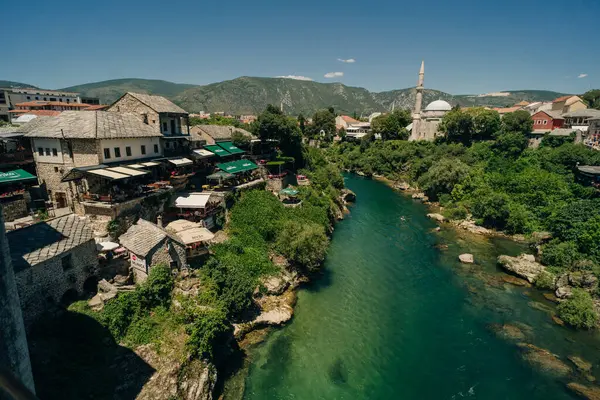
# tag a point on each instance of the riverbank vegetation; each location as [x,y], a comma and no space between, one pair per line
[484,169]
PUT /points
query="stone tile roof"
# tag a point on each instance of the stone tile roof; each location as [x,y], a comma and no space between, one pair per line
[158,103]
[142,237]
[89,125]
[216,132]
[587,113]
[42,241]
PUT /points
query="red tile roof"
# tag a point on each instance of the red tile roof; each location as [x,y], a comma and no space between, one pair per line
[561,99]
[349,120]
[506,110]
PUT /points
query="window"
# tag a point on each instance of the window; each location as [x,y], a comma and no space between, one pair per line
[54,152]
[55,169]
[545,121]
[128,151]
[168,145]
[117,152]
[52,98]
[47,151]
[40,151]
[37,98]
[107,153]
[143,149]
[156,148]
[67,262]
[28,97]
[165,127]
[45,99]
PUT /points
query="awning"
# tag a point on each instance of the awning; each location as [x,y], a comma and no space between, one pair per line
[221,152]
[204,153]
[230,147]
[180,162]
[15,176]
[79,172]
[195,235]
[127,171]
[192,200]
[247,165]
[181,225]
[108,174]
[289,192]
[150,164]
[136,166]
[230,167]
[107,246]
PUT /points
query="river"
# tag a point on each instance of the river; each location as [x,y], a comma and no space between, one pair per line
[395,316]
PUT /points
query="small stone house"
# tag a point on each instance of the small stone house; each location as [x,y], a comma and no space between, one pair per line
[54,261]
[162,115]
[211,134]
[149,245]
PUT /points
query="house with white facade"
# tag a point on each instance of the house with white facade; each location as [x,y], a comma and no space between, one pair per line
[96,144]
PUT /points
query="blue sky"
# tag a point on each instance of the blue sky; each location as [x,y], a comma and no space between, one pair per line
[468,46]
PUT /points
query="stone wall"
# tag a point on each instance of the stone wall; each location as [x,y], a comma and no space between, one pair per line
[14,352]
[14,209]
[128,103]
[43,286]
[164,253]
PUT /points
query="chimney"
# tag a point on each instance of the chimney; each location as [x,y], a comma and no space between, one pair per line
[159,221]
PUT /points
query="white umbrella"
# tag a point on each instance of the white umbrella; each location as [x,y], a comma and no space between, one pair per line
[107,246]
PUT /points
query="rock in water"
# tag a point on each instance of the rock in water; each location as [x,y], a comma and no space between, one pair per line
[580,363]
[508,331]
[524,266]
[544,360]
[437,217]
[466,258]
[586,392]
[513,280]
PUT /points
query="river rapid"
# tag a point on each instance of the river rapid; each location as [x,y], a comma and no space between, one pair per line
[396,316]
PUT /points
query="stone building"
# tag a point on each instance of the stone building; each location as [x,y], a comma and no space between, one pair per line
[53,261]
[567,104]
[149,245]
[85,139]
[211,134]
[14,352]
[425,124]
[165,117]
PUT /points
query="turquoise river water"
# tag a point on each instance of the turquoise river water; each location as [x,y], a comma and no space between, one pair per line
[396,316]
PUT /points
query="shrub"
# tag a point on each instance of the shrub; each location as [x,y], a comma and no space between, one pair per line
[207,332]
[545,280]
[578,310]
[455,212]
[560,254]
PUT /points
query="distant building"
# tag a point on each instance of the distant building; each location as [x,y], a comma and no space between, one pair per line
[593,134]
[344,121]
[546,121]
[162,115]
[425,124]
[534,107]
[505,110]
[566,104]
[10,97]
[580,119]
[52,260]
[211,134]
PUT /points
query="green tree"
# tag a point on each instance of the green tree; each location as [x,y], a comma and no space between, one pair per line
[304,243]
[578,310]
[443,176]
[519,121]
[240,140]
[592,98]
[323,121]
[458,126]
[273,124]
[208,331]
[393,125]
[486,123]
[511,144]
[302,123]
[342,133]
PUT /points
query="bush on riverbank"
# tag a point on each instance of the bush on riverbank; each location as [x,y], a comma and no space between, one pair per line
[578,310]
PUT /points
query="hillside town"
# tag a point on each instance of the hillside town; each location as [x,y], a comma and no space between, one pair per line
[95,197]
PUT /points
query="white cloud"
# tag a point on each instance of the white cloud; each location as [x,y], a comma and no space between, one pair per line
[334,74]
[349,61]
[296,77]
[582,75]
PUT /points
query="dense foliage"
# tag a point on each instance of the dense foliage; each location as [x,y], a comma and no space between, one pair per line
[578,310]
[500,182]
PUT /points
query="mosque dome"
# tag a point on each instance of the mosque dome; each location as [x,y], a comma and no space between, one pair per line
[438,105]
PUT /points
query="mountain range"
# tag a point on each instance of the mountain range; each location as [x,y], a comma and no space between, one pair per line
[250,95]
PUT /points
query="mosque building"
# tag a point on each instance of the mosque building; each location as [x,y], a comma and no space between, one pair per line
[425,123]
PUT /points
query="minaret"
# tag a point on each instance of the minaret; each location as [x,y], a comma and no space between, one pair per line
[418,103]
